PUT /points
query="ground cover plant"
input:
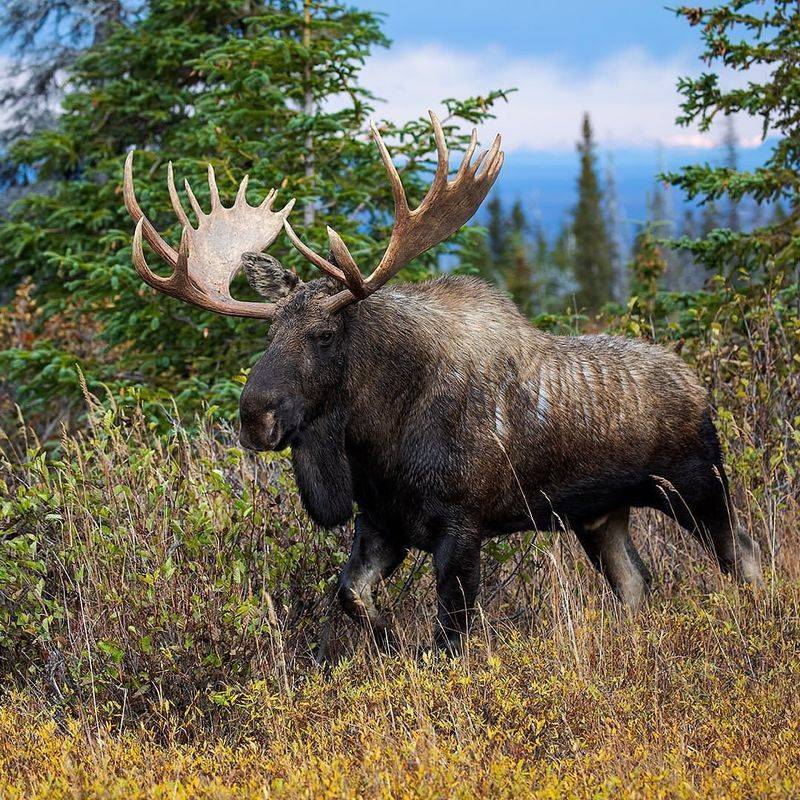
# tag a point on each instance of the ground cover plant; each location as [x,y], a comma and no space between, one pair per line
[154,655]
[164,600]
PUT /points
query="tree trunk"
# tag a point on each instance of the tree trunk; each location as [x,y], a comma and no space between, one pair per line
[309,210]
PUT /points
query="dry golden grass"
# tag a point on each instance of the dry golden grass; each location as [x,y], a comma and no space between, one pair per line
[695,697]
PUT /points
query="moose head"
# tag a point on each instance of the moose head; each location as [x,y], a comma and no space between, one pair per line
[308,340]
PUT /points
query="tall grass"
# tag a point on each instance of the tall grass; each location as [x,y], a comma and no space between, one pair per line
[164,601]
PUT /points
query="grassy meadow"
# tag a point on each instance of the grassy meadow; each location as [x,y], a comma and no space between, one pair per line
[167,618]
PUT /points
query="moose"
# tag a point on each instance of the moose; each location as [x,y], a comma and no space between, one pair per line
[438,411]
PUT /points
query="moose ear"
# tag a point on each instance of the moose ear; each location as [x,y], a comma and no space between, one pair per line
[267,276]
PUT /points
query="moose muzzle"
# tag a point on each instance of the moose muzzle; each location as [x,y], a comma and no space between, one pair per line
[264,433]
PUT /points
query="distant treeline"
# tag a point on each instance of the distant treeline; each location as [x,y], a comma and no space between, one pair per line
[589,262]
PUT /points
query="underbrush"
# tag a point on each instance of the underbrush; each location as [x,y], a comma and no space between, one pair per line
[141,576]
[163,601]
[695,698]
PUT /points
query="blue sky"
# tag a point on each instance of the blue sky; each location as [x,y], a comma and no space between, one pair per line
[617,59]
[578,31]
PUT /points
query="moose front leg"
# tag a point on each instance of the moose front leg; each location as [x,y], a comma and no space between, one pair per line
[457,558]
[373,557]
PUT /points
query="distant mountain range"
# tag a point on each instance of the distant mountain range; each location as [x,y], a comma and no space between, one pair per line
[546,182]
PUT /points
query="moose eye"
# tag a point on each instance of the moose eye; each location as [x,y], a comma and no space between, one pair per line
[325,338]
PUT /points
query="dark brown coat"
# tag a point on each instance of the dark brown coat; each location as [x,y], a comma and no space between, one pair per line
[447,418]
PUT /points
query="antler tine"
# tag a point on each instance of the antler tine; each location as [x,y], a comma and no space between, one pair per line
[212,188]
[473,143]
[476,165]
[269,199]
[177,206]
[241,194]
[153,237]
[398,191]
[442,166]
[193,200]
[140,263]
[181,273]
[490,157]
[352,274]
[447,205]
[316,259]
[492,173]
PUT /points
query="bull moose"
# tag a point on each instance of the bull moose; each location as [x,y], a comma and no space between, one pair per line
[439,411]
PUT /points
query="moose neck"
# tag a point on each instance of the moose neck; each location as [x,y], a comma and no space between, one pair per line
[386,363]
[391,355]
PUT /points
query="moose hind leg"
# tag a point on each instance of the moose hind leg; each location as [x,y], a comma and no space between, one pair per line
[373,557]
[609,546]
[700,502]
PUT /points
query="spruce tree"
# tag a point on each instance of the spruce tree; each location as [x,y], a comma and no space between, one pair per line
[753,303]
[693,275]
[518,261]
[244,86]
[562,258]
[592,255]
[43,38]
[759,41]
[647,268]
[615,237]
[661,226]
[709,218]
[496,233]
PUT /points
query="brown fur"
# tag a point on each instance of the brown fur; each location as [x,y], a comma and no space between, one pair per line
[554,408]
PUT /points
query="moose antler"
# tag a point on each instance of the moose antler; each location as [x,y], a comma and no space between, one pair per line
[210,254]
[446,207]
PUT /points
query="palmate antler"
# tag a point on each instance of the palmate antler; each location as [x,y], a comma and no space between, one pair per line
[446,207]
[210,254]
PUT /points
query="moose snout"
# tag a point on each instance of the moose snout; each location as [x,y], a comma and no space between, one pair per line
[260,427]
[263,433]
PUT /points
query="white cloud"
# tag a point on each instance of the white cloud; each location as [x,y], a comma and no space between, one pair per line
[631,96]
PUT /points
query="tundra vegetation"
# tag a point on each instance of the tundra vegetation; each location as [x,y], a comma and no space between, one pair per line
[163,593]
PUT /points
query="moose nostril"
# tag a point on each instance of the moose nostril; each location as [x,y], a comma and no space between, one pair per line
[253,405]
[260,431]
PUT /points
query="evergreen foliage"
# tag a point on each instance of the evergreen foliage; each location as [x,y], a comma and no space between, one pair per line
[247,86]
[749,315]
[515,255]
[733,221]
[648,267]
[593,249]
[45,37]
[759,41]
[520,270]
